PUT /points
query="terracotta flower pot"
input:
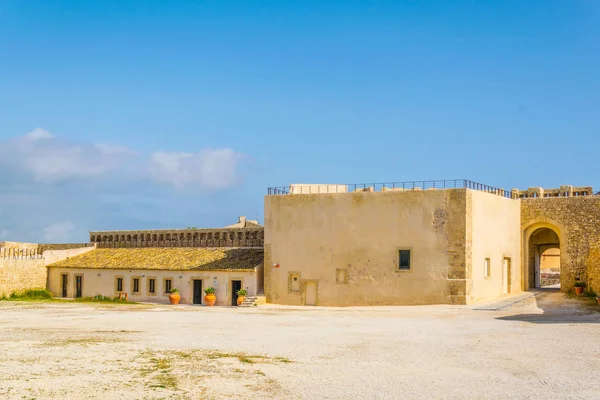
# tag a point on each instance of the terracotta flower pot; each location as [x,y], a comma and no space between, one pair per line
[210,299]
[579,291]
[240,300]
[174,298]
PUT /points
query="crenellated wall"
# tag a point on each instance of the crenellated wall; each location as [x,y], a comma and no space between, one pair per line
[215,237]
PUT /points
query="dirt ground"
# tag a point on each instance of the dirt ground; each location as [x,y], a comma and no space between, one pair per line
[547,347]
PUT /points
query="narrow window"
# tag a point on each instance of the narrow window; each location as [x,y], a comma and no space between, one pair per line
[168,283]
[136,285]
[404,260]
[152,285]
[119,284]
[488,268]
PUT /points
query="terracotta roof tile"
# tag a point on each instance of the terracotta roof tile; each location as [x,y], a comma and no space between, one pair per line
[171,258]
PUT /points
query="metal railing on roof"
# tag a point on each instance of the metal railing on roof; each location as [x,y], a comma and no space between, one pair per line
[389,186]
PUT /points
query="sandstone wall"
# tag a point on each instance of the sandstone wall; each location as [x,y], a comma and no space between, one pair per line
[494,235]
[577,222]
[27,270]
[17,275]
[18,245]
[346,246]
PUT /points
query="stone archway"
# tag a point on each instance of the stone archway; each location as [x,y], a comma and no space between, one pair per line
[542,257]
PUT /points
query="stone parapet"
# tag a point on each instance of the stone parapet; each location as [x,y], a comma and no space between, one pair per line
[210,237]
[563,191]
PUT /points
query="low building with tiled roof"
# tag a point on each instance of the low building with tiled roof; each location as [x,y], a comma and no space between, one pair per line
[146,270]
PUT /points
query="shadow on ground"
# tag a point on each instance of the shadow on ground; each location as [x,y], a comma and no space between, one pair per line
[559,308]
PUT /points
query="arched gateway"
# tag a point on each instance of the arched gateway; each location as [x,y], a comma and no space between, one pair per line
[542,256]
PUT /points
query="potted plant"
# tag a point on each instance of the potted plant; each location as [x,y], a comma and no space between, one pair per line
[579,286]
[210,297]
[241,296]
[174,297]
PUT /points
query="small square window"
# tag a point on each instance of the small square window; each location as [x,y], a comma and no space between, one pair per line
[488,269]
[404,260]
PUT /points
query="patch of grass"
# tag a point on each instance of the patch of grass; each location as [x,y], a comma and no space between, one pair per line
[29,295]
[159,371]
[182,354]
[83,341]
[99,298]
[246,358]
[43,295]
[161,363]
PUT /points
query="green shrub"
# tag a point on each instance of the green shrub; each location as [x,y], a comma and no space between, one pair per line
[31,294]
[209,290]
[242,292]
[174,290]
[579,284]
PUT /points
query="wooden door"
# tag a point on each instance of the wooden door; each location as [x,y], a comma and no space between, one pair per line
[78,286]
[64,283]
[197,291]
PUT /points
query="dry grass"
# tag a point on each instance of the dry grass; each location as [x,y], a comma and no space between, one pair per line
[191,372]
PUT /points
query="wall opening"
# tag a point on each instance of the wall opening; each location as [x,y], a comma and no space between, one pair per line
[543,261]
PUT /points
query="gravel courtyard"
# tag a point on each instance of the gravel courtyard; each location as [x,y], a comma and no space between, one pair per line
[547,347]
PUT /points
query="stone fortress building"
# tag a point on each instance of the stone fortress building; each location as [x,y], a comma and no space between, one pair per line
[401,243]
[428,242]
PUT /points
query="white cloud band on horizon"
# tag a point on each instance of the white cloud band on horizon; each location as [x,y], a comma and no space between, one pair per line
[56,189]
[51,160]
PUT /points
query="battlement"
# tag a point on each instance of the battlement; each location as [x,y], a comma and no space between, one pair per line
[563,191]
[192,237]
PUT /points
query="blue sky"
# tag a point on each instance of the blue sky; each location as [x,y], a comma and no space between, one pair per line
[155,114]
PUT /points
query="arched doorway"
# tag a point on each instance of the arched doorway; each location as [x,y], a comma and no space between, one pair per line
[543,259]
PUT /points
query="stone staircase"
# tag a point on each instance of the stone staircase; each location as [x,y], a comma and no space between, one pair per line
[251,301]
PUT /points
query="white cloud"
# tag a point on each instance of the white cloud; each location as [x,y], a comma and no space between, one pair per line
[60,232]
[50,159]
[210,168]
